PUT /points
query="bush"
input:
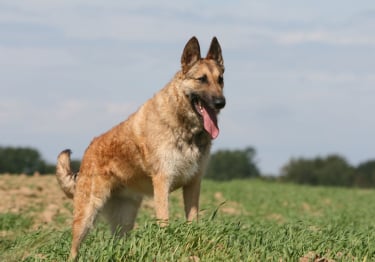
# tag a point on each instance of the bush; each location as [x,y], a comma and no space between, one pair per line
[227,164]
[365,174]
[331,171]
[16,160]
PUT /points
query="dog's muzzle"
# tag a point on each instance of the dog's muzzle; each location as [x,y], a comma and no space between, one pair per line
[218,102]
[207,109]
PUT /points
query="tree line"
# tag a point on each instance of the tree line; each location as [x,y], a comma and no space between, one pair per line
[23,160]
[332,170]
[224,165]
[26,160]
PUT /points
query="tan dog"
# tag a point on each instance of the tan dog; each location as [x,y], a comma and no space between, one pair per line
[165,145]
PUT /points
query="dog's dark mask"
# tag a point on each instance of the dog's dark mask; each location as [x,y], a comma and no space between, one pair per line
[207,109]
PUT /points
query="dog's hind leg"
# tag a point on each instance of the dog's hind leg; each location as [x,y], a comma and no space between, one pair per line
[121,211]
[90,197]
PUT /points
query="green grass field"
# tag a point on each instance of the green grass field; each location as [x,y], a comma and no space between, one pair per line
[244,220]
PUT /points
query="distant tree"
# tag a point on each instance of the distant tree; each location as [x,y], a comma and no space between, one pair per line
[231,164]
[48,169]
[335,171]
[332,170]
[365,174]
[300,171]
[75,164]
[17,160]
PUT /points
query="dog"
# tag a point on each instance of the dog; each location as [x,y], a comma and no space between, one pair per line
[163,146]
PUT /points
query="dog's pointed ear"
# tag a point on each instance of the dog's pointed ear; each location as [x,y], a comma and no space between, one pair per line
[215,52]
[191,54]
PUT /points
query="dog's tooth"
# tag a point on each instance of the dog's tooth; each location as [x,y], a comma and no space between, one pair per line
[201,108]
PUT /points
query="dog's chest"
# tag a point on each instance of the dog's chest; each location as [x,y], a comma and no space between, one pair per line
[181,163]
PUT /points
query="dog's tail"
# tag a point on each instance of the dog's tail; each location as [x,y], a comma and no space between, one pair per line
[64,174]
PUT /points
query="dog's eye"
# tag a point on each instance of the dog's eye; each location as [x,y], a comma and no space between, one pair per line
[202,79]
[220,80]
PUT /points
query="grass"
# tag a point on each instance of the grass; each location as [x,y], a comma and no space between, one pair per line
[10,221]
[248,220]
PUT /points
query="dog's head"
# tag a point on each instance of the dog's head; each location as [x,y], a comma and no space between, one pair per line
[203,82]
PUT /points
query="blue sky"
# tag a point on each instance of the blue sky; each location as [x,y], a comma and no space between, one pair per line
[299,77]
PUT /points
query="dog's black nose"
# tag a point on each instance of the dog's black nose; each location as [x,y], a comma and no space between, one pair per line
[219,102]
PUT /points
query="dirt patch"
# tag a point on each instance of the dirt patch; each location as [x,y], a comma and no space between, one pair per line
[229,207]
[313,257]
[38,197]
[276,217]
[311,210]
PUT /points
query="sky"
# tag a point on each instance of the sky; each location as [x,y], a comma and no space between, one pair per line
[299,79]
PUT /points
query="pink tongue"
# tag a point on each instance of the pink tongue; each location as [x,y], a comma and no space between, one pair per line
[210,121]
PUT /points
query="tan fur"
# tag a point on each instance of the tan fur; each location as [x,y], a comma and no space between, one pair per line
[64,174]
[161,147]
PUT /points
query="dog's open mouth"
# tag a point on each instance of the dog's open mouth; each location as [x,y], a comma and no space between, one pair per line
[208,114]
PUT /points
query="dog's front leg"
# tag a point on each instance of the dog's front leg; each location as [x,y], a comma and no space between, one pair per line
[191,199]
[161,198]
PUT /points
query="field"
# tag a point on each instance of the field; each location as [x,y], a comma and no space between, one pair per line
[243,220]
